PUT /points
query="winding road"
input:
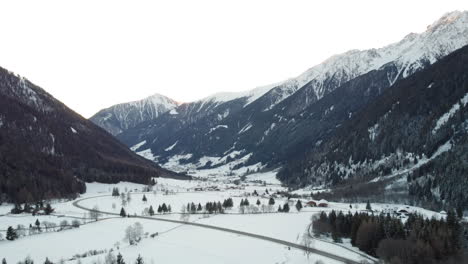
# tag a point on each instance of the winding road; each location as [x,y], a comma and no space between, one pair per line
[265,238]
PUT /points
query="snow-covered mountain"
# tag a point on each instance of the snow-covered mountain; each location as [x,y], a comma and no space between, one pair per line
[412,53]
[48,151]
[411,139]
[121,117]
[266,126]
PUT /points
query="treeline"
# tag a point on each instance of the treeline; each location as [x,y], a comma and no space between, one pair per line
[38,227]
[418,240]
[28,208]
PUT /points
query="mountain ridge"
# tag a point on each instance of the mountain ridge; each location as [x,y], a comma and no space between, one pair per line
[49,151]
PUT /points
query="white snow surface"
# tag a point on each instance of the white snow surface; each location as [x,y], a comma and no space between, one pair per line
[217,127]
[147,154]
[195,243]
[138,145]
[251,95]
[171,146]
[445,117]
[447,34]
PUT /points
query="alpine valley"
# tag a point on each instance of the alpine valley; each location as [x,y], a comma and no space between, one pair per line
[362,158]
[345,122]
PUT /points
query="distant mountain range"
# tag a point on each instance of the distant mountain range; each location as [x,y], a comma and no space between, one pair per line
[291,124]
[121,117]
[49,151]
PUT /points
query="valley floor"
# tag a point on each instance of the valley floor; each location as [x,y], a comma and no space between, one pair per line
[178,242]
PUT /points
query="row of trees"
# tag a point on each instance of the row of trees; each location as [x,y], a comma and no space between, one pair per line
[162,209]
[38,227]
[28,208]
[418,240]
[110,258]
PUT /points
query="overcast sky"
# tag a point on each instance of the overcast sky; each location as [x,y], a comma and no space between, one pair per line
[93,54]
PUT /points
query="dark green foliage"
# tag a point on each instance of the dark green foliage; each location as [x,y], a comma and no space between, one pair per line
[115,192]
[406,115]
[11,234]
[164,208]
[139,260]
[286,208]
[244,202]
[51,161]
[228,203]
[122,212]
[151,210]
[17,209]
[419,240]
[120,259]
[47,261]
[271,201]
[144,199]
[368,206]
[298,205]
[214,207]
[48,209]
[258,202]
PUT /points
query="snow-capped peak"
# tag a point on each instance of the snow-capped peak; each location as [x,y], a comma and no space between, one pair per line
[251,95]
[118,118]
[447,18]
[447,34]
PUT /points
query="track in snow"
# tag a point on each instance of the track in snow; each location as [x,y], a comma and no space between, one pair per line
[265,238]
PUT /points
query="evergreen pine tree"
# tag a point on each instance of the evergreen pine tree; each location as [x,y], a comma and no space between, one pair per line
[299,205]
[368,206]
[120,259]
[164,208]
[271,201]
[17,209]
[38,225]
[4,261]
[122,212]
[151,210]
[48,210]
[286,208]
[199,208]
[11,234]
[144,198]
[47,261]
[139,260]
[280,209]
[159,209]
[258,202]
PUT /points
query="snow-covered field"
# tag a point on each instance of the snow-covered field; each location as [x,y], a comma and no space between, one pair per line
[177,243]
